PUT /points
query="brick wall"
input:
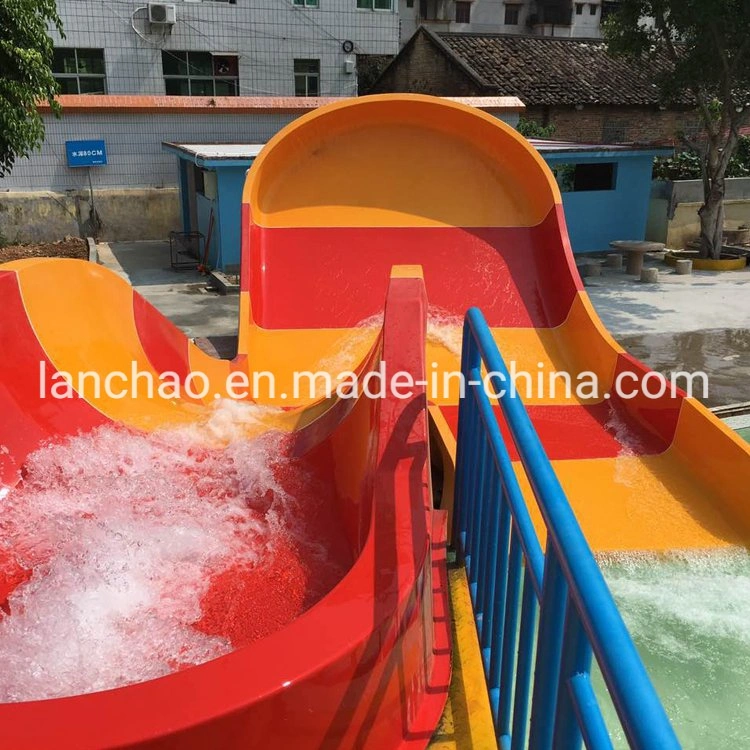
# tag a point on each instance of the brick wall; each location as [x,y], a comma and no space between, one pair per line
[616,125]
[423,69]
[369,69]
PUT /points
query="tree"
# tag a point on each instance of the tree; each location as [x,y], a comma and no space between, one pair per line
[532,129]
[25,76]
[704,46]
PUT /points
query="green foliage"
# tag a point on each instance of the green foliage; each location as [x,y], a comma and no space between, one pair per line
[533,129]
[565,174]
[703,44]
[702,49]
[686,165]
[25,75]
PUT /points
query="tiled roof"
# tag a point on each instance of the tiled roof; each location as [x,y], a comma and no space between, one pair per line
[549,71]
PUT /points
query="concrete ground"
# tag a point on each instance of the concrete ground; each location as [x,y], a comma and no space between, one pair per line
[182,296]
[692,323]
[697,322]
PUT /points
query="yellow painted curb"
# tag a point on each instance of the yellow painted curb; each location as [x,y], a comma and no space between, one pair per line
[466,723]
[708,264]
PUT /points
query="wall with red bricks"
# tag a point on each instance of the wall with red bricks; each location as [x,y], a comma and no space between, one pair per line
[616,124]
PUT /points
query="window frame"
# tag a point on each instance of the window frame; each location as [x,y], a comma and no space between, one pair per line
[369,5]
[579,8]
[306,4]
[78,75]
[512,8]
[581,177]
[307,75]
[592,9]
[199,78]
[464,4]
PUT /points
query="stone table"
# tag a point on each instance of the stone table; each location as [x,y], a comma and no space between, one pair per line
[635,250]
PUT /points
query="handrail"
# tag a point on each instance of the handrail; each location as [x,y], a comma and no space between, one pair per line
[578,617]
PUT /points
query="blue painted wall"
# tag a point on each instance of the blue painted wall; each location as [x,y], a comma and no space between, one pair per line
[597,217]
[204,206]
[224,248]
[231,183]
[184,197]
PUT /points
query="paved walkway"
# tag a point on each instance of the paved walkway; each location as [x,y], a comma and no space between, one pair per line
[704,300]
[182,296]
[699,322]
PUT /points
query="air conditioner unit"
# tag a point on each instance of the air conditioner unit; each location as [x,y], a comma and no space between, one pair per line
[162,13]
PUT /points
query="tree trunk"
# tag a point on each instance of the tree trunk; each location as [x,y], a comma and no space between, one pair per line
[712,221]
[711,213]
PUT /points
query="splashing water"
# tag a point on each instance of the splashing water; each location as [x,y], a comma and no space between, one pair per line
[689,615]
[627,437]
[125,557]
[352,350]
[445,329]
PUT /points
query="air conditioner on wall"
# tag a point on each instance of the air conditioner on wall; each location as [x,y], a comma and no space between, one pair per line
[163,13]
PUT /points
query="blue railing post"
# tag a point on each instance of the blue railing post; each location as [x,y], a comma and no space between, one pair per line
[485,596]
[467,435]
[507,664]
[575,660]
[523,668]
[548,653]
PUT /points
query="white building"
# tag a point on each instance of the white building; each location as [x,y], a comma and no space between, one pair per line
[220,48]
[544,17]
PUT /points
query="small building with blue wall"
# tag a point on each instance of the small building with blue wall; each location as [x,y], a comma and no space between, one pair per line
[211,179]
[605,190]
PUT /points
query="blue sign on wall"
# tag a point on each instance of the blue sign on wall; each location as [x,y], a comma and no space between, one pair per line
[86,153]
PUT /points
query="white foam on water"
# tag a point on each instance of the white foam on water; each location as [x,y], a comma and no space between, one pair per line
[445,329]
[630,443]
[689,615]
[123,532]
[349,354]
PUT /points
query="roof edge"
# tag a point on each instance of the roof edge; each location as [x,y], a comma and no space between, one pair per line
[457,60]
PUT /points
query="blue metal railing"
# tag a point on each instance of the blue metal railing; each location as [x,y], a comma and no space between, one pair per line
[513,584]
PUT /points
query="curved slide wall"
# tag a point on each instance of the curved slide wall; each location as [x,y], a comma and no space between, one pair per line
[368,665]
[344,193]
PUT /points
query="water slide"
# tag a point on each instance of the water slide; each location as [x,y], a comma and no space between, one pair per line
[369,227]
[342,195]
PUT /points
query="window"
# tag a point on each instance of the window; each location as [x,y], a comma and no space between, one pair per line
[575,178]
[306,3]
[579,9]
[463,11]
[79,71]
[512,13]
[200,74]
[307,77]
[592,9]
[609,7]
[374,4]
